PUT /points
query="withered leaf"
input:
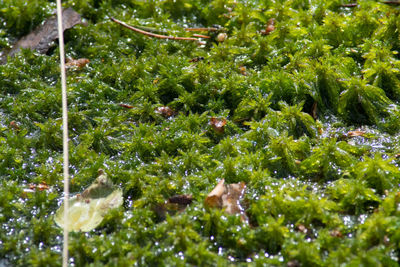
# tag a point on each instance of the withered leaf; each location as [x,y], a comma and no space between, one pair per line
[302,228]
[14,125]
[336,233]
[41,39]
[242,70]
[227,197]
[196,59]
[87,210]
[42,186]
[35,187]
[355,133]
[181,199]
[314,110]
[218,124]
[166,112]
[270,27]
[125,106]
[78,63]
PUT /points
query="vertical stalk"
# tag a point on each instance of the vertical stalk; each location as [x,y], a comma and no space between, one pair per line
[65,130]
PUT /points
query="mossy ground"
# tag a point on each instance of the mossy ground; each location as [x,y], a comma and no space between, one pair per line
[315,197]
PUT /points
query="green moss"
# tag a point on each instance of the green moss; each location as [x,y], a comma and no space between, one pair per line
[315,196]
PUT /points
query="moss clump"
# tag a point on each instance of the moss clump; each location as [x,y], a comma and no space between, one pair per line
[315,195]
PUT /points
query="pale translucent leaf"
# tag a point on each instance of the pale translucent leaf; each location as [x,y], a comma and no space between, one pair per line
[87,210]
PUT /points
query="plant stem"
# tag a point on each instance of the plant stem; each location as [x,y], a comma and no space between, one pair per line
[201,29]
[153,34]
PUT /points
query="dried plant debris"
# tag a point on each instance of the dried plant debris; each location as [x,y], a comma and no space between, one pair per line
[76,63]
[41,39]
[301,228]
[14,125]
[36,187]
[314,110]
[355,133]
[126,106]
[349,5]
[270,27]
[181,199]
[196,59]
[150,34]
[336,233]
[41,187]
[227,197]
[394,3]
[243,70]
[166,112]
[87,210]
[218,125]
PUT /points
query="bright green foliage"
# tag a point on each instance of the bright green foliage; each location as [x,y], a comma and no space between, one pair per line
[316,195]
[378,173]
[328,160]
[362,103]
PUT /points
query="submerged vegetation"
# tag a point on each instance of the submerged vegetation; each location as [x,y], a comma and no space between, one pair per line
[300,102]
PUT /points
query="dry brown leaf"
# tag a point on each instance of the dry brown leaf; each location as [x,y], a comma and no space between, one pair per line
[218,124]
[42,186]
[14,125]
[196,59]
[78,63]
[302,228]
[41,39]
[355,133]
[214,198]
[270,27]
[227,197]
[165,111]
[336,233]
[35,187]
[125,106]
[242,70]
[181,199]
[314,111]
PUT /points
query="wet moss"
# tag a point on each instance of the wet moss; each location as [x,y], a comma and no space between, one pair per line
[315,194]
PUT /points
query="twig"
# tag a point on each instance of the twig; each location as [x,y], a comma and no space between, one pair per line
[201,29]
[349,5]
[201,36]
[153,34]
[391,2]
[150,29]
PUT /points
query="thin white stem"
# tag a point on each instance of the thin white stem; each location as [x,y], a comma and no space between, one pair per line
[65,131]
